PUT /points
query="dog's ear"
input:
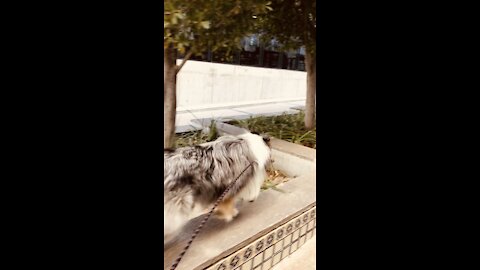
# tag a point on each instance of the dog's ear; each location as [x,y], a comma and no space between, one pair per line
[266,138]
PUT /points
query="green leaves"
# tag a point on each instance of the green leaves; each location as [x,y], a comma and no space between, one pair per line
[289,127]
[200,25]
[292,23]
[205,24]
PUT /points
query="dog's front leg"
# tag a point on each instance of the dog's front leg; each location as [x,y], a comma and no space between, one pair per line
[226,209]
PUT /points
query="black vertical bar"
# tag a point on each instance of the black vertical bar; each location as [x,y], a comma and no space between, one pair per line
[261,55]
[238,57]
[297,61]
[280,59]
[209,55]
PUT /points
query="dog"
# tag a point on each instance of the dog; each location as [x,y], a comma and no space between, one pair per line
[195,177]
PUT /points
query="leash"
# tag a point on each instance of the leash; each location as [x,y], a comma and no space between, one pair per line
[200,226]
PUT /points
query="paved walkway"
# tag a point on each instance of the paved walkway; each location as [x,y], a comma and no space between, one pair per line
[185,119]
[304,258]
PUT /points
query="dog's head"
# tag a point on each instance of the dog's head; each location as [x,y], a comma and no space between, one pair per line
[261,153]
[259,146]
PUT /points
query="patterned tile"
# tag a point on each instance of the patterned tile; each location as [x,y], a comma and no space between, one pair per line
[295,235]
[298,222]
[287,240]
[234,261]
[247,254]
[257,260]
[221,266]
[278,247]
[277,258]
[280,233]
[310,225]
[310,234]
[259,246]
[289,228]
[268,252]
[248,265]
[267,264]
[302,240]
[270,249]
[285,252]
[294,247]
[303,230]
[306,218]
[270,239]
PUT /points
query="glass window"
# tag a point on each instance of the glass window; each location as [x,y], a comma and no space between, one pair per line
[255,54]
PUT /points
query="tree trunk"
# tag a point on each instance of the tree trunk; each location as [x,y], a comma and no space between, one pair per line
[311,66]
[169,96]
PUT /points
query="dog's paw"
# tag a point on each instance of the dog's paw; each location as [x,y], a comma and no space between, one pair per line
[226,217]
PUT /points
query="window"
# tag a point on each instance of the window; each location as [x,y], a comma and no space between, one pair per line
[255,54]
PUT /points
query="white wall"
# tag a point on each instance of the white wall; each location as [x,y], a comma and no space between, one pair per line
[203,85]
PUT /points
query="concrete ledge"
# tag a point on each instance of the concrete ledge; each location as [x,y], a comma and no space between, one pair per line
[223,128]
[294,149]
[230,105]
[300,108]
[280,145]
[291,165]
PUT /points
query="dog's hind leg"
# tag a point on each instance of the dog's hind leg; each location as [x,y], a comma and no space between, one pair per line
[226,209]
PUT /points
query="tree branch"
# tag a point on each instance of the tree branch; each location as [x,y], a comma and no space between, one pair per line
[187,56]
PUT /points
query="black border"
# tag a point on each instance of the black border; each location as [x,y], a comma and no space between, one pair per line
[84,162]
[88,135]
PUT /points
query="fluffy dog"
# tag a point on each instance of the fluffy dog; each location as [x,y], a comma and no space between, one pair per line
[195,177]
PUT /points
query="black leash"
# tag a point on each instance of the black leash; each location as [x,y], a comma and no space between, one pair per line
[197,231]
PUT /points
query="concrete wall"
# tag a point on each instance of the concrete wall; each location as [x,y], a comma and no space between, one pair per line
[202,85]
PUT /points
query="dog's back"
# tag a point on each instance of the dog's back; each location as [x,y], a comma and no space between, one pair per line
[195,177]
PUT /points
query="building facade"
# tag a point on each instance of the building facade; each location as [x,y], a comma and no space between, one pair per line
[256,54]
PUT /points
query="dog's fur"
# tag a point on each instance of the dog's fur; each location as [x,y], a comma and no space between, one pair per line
[195,177]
